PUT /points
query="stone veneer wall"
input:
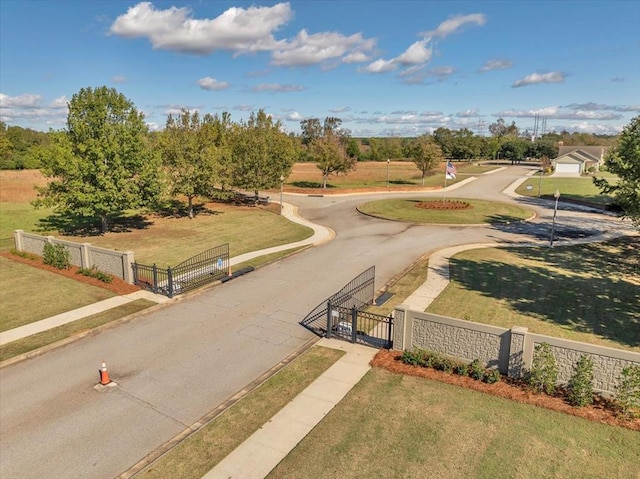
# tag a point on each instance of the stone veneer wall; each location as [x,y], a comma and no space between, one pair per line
[508,350]
[83,255]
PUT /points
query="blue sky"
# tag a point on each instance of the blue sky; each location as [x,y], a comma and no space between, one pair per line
[386,68]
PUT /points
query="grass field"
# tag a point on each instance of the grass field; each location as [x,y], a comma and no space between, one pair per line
[29,294]
[581,188]
[394,426]
[588,293]
[399,209]
[373,174]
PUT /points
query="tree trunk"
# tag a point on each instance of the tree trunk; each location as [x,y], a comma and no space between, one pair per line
[104,224]
[190,207]
[324,180]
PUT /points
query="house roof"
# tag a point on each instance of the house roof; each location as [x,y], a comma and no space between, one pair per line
[597,152]
[577,156]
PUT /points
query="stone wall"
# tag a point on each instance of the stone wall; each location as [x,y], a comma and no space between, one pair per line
[83,255]
[508,350]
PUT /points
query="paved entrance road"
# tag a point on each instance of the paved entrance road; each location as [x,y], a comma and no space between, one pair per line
[175,365]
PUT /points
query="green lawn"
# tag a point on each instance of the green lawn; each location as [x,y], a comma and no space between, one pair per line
[581,188]
[480,211]
[588,293]
[15,216]
[29,294]
[394,426]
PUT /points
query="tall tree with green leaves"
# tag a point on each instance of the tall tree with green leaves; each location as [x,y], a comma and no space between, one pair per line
[190,155]
[425,153]
[101,164]
[624,161]
[262,153]
[328,147]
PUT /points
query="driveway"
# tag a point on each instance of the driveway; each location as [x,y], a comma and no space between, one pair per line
[178,363]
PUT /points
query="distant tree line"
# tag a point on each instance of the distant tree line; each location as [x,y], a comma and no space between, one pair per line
[106,161]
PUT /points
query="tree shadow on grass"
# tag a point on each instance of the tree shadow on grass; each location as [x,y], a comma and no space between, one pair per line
[587,293]
[179,209]
[401,182]
[309,184]
[75,225]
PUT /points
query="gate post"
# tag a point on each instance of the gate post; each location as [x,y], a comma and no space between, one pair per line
[134,268]
[155,278]
[170,281]
[354,323]
[329,321]
[390,333]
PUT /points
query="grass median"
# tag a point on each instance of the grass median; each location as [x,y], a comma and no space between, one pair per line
[392,426]
[201,451]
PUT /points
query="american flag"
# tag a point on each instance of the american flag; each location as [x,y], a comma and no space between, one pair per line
[450,171]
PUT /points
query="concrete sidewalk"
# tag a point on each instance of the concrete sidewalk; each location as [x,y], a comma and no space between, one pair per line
[262,451]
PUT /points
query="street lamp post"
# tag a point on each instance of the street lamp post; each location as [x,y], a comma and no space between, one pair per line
[388,161]
[540,182]
[281,190]
[556,195]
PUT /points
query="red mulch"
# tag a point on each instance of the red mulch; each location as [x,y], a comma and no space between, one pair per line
[444,205]
[117,285]
[598,412]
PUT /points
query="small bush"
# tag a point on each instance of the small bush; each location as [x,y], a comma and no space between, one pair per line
[581,383]
[628,392]
[410,357]
[461,369]
[491,376]
[95,273]
[56,255]
[23,254]
[444,363]
[544,370]
[476,370]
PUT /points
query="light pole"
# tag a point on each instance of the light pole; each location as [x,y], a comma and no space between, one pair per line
[556,195]
[388,161]
[540,181]
[281,189]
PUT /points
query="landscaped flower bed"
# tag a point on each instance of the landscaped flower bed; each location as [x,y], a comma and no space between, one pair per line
[444,205]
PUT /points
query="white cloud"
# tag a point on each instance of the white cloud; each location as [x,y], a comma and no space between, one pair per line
[153,126]
[557,113]
[244,107]
[309,49]
[356,57]
[208,83]
[119,79]
[535,78]
[380,66]
[468,113]
[60,102]
[340,109]
[275,87]
[294,116]
[496,64]
[453,25]
[237,29]
[599,106]
[417,54]
[26,100]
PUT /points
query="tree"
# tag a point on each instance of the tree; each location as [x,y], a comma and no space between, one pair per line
[624,161]
[426,154]
[189,155]
[101,165]
[329,149]
[261,153]
[499,129]
[513,149]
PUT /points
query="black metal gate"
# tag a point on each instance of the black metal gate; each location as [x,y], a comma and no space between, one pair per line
[342,316]
[201,269]
[357,326]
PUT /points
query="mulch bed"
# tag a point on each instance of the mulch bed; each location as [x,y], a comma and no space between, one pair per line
[117,285]
[598,412]
[444,205]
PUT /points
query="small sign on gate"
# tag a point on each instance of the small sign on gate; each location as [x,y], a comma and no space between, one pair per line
[219,263]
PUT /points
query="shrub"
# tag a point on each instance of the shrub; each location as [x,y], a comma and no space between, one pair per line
[491,376]
[628,392]
[410,357]
[56,255]
[544,370]
[93,272]
[461,369]
[23,254]
[581,383]
[476,369]
[443,363]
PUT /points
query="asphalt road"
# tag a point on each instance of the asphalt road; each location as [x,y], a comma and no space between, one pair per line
[177,364]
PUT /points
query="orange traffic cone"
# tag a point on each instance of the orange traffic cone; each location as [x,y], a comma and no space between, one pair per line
[104,374]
